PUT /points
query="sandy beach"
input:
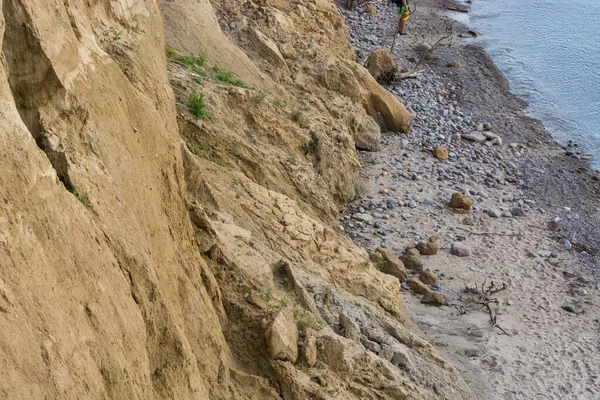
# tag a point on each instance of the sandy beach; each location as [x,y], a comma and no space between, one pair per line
[535,224]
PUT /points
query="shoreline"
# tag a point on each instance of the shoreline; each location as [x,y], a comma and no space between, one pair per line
[549,258]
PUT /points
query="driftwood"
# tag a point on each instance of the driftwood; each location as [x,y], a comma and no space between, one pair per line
[489,232]
[413,71]
[482,296]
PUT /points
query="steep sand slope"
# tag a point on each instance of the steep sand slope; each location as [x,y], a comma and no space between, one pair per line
[133,268]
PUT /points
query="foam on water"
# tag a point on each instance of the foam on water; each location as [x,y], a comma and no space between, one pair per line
[550,53]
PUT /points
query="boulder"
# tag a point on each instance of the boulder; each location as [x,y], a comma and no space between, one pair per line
[427,248]
[392,264]
[417,286]
[428,277]
[441,153]
[267,48]
[414,252]
[412,262]
[282,336]
[397,118]
[381,65]
[460,202]
[433,298]
[366,133]
[460,249]
[353,80]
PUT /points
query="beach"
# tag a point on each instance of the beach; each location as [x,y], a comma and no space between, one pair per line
[534,226]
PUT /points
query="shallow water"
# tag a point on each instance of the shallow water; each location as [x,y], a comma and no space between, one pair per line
[550,53]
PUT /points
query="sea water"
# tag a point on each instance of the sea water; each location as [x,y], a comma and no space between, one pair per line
[550,53]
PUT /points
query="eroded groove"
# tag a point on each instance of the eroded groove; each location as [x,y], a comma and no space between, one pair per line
[33,82]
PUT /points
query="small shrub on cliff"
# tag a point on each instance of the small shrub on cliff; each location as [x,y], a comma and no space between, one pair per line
[197,104]
[306,319]
[259,97]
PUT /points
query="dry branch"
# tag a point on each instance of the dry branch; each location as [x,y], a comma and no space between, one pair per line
[413,71]
[482,298]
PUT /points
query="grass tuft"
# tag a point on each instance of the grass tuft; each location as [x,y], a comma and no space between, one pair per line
[306,319]
[190,61]
[197,104]
[259,97]
[228,78]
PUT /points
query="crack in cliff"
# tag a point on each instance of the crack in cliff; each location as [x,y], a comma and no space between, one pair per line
[34,83]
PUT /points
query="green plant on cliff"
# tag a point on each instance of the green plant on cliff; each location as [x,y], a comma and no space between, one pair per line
[79,196]
[228,78]
[306,319]
[190,61]
[197,104]
[191,148]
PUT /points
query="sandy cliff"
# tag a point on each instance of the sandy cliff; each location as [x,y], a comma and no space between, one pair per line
[145,252]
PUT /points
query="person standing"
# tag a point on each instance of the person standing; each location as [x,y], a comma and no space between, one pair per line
[403,13]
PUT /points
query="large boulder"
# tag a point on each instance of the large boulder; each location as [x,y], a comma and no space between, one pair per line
[392,265]
[412,262]
[377,100]
[381,66]
[366,133]
[427,248]
[282,336]
[417,286]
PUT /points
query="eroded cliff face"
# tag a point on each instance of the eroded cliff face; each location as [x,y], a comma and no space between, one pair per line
[144,251]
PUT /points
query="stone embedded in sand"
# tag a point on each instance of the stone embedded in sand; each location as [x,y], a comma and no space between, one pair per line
[460,202]
[370,345]
[433,298]
[494,213]
[381,65]
[392,264]
[417,286]
[288,52]
[474,136]
[267,48]
[428,277]
[460,249]
[387,352]
[411,262]
[428,249]
[400,359]
[570,308]
[282,336]
[309,351]
[441,153]
[370,10]
[349,328]
[490,135]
